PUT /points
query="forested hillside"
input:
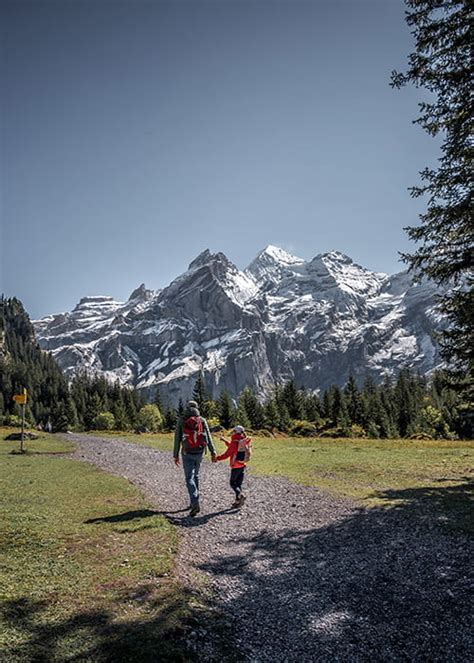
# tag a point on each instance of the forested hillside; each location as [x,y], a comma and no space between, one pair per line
[409,406]
[50,399]
[24,365]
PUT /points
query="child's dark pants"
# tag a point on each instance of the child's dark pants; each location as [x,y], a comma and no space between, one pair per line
[236,479]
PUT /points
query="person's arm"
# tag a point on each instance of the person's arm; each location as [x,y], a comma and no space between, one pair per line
[178,435]
[210,443]
[228,452]
[226,442]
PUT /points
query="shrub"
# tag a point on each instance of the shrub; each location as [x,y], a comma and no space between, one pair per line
[214,424]
[331,432]
[13,420]
[357,431]
[430,421]
[263,432]
[420,436]
[149,417]
[302,428]
[104,421]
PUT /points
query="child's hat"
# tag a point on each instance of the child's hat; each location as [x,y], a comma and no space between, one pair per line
[239,429]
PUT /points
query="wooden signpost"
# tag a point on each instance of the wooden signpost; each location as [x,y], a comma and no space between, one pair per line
[20,399]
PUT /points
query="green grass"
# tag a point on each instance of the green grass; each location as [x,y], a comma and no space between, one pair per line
[85,565]
[434,475]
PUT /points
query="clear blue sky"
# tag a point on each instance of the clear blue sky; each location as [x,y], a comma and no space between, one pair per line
[136,134]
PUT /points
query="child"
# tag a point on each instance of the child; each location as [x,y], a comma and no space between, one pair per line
[238,452]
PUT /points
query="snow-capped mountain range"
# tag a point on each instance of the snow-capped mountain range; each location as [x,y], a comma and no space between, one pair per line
[282,317]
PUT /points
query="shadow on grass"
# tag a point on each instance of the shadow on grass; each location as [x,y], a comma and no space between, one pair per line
[124,517]
[96,635]
[382,584]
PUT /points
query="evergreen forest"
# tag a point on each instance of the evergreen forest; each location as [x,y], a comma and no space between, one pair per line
[409,406]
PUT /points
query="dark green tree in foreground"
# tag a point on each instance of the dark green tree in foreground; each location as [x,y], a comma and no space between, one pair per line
[441,63]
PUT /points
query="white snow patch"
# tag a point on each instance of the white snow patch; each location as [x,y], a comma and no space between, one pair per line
[280,255]
[189,366]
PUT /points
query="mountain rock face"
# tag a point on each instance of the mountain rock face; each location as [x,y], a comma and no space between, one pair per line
[282,317]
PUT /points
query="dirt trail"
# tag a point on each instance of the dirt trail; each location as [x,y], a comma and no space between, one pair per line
[302,575]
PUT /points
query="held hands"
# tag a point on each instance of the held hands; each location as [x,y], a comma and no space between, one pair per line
[176,461]
[213,458]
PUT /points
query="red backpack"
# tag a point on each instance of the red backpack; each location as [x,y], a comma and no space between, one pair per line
[193,434]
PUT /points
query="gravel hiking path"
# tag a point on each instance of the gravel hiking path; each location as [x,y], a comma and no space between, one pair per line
[302,575]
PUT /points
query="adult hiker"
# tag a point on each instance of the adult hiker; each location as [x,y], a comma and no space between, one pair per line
[192,436]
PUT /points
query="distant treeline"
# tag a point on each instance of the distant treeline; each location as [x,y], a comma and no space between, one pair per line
[409,406]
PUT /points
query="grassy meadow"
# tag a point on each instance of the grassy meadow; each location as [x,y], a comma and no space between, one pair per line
[432,474]
[85,564]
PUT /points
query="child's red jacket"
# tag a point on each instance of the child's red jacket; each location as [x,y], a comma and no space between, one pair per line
[231,452]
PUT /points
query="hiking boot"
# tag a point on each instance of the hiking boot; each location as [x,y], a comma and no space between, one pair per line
[242,499]
[236,504]
[195,509]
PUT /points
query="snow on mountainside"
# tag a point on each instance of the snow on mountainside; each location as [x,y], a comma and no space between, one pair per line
[282,317]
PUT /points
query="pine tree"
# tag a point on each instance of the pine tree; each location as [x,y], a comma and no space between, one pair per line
[326,406]
[201,395]
[241,417]
[120,415]
[285,419]
[94,407]
[158,401]
[59,418]
[292,398]
[71,413]
[252,408]
[130,407]
[225,410]
[169,419]
[406,400]
[339,415]
[312,407]
[442,63]
[353,401]
[272,415]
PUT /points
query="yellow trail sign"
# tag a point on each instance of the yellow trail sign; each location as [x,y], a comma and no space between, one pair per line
[20,398]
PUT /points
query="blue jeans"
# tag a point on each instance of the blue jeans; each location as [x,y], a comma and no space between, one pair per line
[191,466]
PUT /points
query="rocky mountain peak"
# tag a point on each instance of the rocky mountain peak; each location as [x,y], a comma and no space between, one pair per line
[140,293]
[279,255]
[95,304]
[338,270]
[272,263]
[282,317]
[208,258]
[95,299]
[202,259]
